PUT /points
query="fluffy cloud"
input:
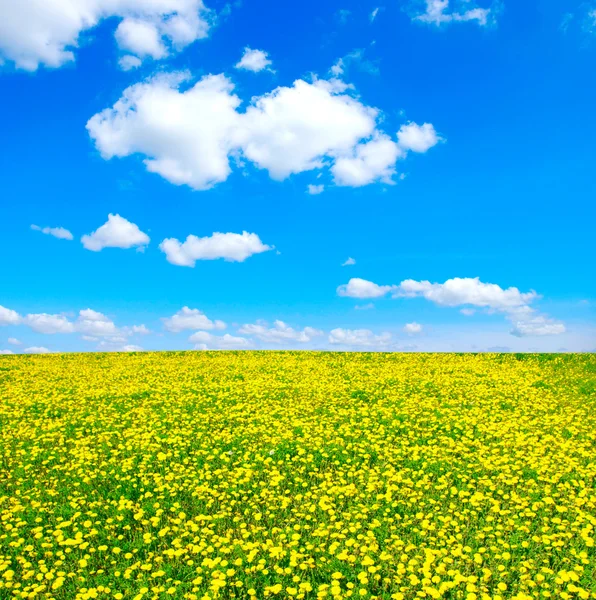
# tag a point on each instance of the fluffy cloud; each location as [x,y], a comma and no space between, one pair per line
[229,246]
[129,62]
[204,340]
[188,132]
[34,32]
[58,232]
[313,190]
[9,317]
[14,341]
[361,288]
[537,326]
[360,338]
[280,332]
[254,60]
[412,328]
[95,324]
[372,161]
[349,262]
[417,138]
[466,290]
[117,232]
[437,12]
[49,324]
[6,352]
[36,350]
[190,318]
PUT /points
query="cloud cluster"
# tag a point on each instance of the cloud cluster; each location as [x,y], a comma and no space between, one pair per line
[90,324]
[467,292]
[439,12]
[280,332]
[360,338]
[47,32]
[204,340]
[189,131]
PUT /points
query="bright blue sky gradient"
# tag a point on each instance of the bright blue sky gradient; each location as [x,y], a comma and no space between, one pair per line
[508,196]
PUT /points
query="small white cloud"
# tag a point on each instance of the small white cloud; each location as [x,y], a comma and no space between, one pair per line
[129,62]
[355,58]
[95,324]
[361,288]
[313,190]
[254,60]
[417,138]
[373,14]
[360,338]
[204,340]
[232,247]
[468,312]
[14,341]
[131,348]
[412,328]
[348,262]
[537,326]
[117,232]
[36,350]
[437,12]
[342,15]
[9,317]
[138,330]
[190,318]
[280,332]
[57,232]
[368,306]
[6,352]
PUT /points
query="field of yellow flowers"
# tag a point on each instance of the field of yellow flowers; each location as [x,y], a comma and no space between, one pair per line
[297,475]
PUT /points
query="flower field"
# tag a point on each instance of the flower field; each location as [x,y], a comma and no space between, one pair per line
[297,475]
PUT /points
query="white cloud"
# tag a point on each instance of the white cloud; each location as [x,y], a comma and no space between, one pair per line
[373,14]
[186,135]
[350,261]
[95,324]
[234,247]
[537,326]
[117,232]
[49,324]
[14,341]
[313,190]
[466,290]
[360,338]
[254,60]
[412,328]
[190,318]
[140,38]
[58,232]
[137,330]
[437,12]
[368,306]
[36,350]
[361,288]
[129,62]
[468,312]
[372,161]
[418,138]
[9,317]
[47,32]
[356,58]
[6,352]
[130,348]
[279,333]
[204,340]
[188,132]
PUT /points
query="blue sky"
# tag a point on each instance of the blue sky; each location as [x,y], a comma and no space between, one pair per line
[450,146]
